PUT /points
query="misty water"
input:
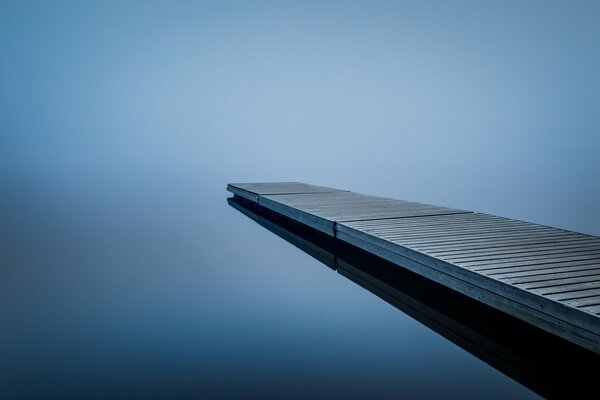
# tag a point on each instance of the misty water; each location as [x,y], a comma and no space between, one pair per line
[160,289]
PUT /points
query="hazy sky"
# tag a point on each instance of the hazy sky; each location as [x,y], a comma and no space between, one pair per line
[491,106]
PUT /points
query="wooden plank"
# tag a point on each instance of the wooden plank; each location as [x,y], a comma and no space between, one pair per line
[591,309]
[448,226]
[477,238]
[541,270]
[563,246]
[583,301]
[530,255]
[551,276]
[261,188]
[464,231]
[456,233]
[502,244]
[539,274]
[468,217]
[580,294]
[558,283]
[576,287]
[251,191]
[486,265]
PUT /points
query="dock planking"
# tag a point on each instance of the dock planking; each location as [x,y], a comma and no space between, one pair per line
[514,347]
[545,276]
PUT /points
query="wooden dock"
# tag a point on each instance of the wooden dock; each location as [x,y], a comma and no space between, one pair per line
[512,346]
[544,276]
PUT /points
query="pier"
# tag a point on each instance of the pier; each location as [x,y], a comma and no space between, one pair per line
[545,276]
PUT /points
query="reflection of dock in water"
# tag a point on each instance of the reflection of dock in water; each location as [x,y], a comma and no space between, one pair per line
[541,361]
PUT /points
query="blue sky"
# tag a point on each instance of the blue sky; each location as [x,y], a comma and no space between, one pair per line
[491,106]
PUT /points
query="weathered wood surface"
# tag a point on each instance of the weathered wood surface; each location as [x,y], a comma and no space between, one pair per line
[545,276]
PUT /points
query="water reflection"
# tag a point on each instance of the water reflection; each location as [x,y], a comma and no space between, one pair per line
[544,363]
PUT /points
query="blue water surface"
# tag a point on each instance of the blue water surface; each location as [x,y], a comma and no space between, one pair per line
[161,289]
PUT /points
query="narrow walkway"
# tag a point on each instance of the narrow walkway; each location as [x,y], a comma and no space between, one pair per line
[545,276]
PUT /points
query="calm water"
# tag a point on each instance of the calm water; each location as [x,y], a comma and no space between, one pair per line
[125,273]
[161,289]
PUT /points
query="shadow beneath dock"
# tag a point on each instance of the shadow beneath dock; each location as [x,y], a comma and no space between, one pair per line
[548,365]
